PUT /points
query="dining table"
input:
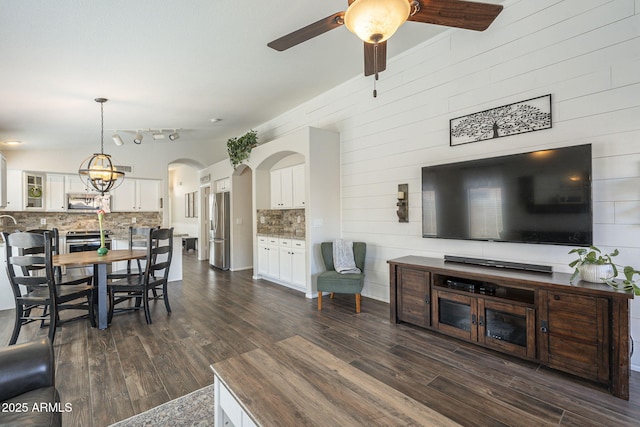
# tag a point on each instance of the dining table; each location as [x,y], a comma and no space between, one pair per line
[100,263]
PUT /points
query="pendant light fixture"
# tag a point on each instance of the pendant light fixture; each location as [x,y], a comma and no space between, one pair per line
[98,170]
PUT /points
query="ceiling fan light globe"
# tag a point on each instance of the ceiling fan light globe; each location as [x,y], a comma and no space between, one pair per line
[374,21]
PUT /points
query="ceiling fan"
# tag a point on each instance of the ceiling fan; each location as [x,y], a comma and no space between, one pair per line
[374,21]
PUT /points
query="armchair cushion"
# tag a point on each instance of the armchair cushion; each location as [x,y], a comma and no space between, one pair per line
[332,281]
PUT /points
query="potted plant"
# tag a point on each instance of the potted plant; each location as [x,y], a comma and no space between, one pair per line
[240,148]
[592,265]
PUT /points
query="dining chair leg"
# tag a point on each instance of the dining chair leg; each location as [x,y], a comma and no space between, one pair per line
[332,295]
[17,325]
[165,296]
[92,319]
[111,304]
[145,303]
[357,303]
[319,301]
[53,322]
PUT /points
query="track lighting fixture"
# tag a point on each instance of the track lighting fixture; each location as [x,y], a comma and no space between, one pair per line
[117,140]
[138,135]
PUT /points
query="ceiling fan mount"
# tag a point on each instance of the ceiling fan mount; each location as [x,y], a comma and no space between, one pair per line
[374,21]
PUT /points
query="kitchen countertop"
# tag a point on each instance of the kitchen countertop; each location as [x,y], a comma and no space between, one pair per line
[282,236]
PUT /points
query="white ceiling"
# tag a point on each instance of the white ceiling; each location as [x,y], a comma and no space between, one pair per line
[165,64]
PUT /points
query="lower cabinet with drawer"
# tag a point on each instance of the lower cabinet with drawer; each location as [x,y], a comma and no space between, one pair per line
[283,261]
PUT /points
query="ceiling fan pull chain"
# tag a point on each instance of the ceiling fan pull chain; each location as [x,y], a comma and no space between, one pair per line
[375,68]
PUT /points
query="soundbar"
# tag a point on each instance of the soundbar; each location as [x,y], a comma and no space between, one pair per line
[500,264]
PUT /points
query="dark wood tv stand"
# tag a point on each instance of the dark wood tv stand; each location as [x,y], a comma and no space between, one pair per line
[582,329]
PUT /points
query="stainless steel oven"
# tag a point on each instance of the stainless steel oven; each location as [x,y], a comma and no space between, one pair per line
[84,241]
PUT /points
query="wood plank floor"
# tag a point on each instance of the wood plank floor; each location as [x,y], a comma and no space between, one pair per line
[110,375]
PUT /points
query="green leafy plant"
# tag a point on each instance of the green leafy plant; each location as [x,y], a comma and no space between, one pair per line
[627,284]
[240,148]
[593,255]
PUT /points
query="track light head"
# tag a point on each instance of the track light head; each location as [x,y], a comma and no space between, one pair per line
[137,139]
[117,140]
[173,136]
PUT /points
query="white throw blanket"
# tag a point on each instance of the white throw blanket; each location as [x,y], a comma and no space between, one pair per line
[343,259]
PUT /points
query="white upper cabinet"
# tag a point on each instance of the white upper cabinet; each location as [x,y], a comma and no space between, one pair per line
[3,181]
[14,191]
[56,192]
[34,191]
[222,185]
[137,195]
[288,188]
[298,186]
[74,184]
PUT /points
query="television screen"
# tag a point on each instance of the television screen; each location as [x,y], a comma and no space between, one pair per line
[538,197]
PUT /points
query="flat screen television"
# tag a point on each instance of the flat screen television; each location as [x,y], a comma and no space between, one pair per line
[538,197]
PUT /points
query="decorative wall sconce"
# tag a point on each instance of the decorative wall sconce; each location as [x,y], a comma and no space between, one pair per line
[403,203]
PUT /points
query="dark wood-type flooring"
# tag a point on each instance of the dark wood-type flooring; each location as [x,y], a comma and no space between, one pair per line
[110,375]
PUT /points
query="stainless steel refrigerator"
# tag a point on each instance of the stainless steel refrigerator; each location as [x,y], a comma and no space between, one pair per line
[219,231]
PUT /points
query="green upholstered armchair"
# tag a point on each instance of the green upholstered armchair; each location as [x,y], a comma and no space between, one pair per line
[334,282]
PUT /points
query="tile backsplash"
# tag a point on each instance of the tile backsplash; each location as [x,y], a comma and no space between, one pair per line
[116,222]
[281,222]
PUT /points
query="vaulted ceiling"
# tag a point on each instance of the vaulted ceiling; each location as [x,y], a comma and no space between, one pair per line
[166,65]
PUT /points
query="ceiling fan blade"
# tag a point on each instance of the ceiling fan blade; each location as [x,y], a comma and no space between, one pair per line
[457,13]
[308,32]
[370,64]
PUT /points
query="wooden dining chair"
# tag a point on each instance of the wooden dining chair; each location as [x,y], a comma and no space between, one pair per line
[138,238]
[38,297]
[136,288]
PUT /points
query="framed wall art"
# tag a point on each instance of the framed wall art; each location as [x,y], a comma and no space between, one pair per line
[512,119]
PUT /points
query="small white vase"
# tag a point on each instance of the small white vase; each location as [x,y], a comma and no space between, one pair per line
[596,273]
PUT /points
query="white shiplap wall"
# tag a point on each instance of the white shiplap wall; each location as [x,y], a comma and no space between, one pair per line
[586,53]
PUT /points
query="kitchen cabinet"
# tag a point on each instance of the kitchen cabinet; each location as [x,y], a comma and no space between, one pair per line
[288,187]
[222,185]
[273,262]
[34,191]
[137,195]
[3,181]
[282,188]
[14,191]
[298,185]
[56,193]
[263,256]
[75,185]
[292,262]
[283,261]
[269,256]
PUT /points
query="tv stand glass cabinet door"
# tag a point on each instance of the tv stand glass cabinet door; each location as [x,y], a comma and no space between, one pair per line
[506,327]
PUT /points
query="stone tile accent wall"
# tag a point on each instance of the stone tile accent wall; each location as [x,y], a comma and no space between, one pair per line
[116,222]
[282,222]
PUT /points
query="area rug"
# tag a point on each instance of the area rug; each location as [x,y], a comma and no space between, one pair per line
[191,410]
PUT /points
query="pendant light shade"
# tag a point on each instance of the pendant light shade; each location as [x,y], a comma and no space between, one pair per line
[374,21]
[98,170]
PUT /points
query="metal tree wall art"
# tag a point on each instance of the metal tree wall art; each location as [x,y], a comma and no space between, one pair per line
[520,117]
